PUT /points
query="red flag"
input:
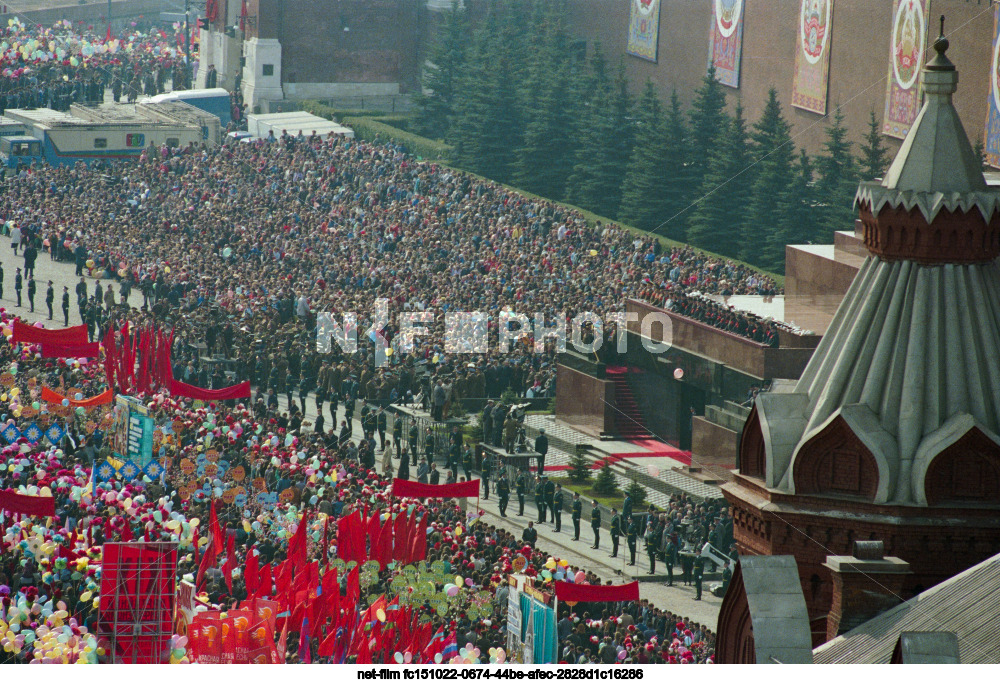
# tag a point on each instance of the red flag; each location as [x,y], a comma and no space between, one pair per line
[297,546]
[250,574]
[418,546]
[283,642]
[264,582]
[329,644]
[399,549]
[384,551]
[283,580]
[374,532]
[127,532]
[354,585]
[216,544]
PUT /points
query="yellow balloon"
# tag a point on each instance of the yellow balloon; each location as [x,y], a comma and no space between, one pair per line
[15,391]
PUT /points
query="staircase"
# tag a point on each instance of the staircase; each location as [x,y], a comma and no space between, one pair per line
[730,415]
[628,420]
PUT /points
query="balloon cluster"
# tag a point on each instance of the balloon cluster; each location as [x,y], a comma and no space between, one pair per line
[49,632]
[178,650]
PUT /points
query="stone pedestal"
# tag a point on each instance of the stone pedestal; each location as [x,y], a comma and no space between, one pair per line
[262,72]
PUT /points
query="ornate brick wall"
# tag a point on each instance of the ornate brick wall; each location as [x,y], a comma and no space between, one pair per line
[937,542]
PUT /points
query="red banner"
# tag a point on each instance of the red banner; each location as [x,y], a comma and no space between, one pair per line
[50,350]
[101,399]
[18,504]
[138,594]
[241,390]
[26,334]
[572,592]
[414,489]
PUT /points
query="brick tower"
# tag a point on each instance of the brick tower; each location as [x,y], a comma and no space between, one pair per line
[893,431]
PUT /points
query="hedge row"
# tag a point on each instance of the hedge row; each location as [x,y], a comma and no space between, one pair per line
[369,125]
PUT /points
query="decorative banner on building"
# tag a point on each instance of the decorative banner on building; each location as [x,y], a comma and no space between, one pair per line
[725,42]
[132,430]
[907,43]
[644,29]
[812,56]
[992,139]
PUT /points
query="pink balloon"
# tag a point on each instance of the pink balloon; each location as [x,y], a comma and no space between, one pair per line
[580,577]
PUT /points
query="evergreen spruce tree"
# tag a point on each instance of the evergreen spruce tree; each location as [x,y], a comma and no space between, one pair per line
[874,157]
[545,159]
[638,493]
[606,485]
[448,57]
[717,222]
[579,468]
[679,189]
[605,141]
[837,182]
[708,117]
[644,203]
[769,217]
[487,127]
[804,203]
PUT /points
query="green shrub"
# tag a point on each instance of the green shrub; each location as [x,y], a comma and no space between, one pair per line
[606,484]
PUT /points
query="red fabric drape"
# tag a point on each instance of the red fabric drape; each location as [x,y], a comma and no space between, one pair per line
[50,350]
[241,390]
[101,399]
[414,489]
[581,593]
[418,542]
[19,504]
[27,334]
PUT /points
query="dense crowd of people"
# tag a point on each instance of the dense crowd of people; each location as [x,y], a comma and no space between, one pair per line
[239,250]
[66,64]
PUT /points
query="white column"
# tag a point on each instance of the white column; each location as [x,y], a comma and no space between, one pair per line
[262,73]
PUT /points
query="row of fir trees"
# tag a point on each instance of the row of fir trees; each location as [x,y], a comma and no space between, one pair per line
[522,103]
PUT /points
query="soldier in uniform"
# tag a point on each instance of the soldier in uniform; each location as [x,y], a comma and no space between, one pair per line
[577,512]
[503,492]
[670,559]
[632,538]
[627,509]
[467,462]
[595,524]
[486,472]
[520,485]
[699,570]
[397,435]
[616,531]
[65,305]
[550,492]
[50,296]
[540,499]
[381,422]
[557,506]
[413,435]
[652,545]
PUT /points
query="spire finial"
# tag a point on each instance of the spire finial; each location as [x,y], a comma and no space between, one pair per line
[940,62]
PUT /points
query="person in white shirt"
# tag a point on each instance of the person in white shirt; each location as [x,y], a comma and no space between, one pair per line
[15,238]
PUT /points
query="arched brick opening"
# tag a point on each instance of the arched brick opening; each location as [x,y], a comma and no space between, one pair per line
[968,471]
[753,455]
[734,643]
[836,462]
